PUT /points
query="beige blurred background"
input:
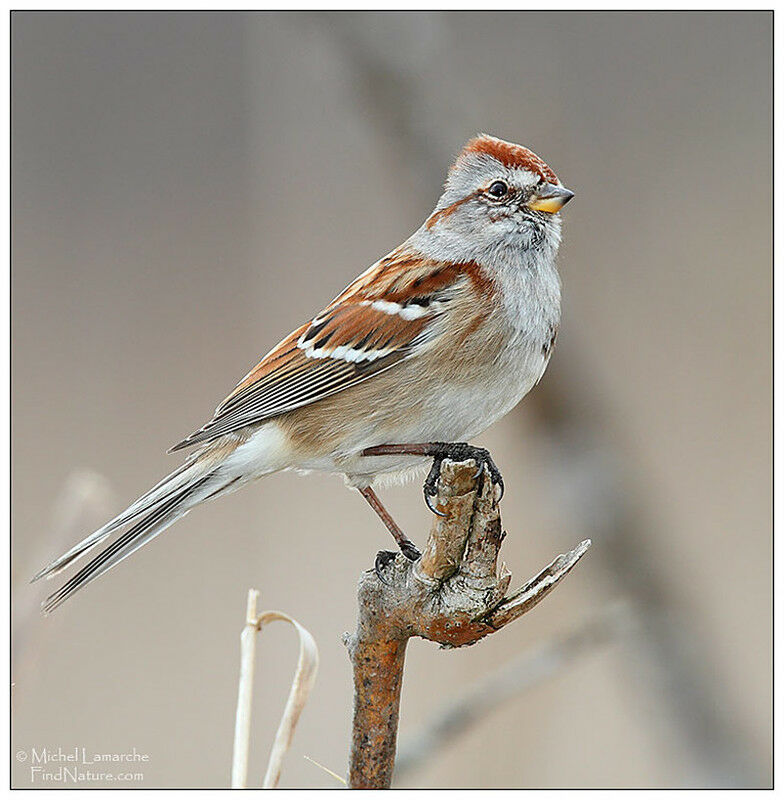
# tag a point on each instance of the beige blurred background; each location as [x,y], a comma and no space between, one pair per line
[189,187]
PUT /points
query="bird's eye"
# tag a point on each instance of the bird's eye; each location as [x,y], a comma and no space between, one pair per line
[498,189]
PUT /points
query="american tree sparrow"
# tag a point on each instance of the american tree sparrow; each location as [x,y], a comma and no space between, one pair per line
[429,346]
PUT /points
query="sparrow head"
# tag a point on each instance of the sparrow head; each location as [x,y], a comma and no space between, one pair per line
[499,194]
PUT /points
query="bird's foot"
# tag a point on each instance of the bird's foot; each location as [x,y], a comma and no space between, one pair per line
[438,451]
[383,559]
[457,451]
[410,550]
[386,557]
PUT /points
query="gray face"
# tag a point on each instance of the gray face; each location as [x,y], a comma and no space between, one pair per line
[487,206]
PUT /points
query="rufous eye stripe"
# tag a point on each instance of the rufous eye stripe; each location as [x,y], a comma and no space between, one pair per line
[438,216]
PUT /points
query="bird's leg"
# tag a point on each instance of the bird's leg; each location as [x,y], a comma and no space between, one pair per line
[407,547]
[438,451]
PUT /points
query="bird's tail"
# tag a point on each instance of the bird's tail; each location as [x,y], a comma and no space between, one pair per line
[197,479]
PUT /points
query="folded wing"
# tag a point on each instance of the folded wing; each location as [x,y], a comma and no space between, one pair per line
[388,314]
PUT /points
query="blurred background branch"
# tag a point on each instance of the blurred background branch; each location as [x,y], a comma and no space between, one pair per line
[488,692]
[83,504]
[538,663]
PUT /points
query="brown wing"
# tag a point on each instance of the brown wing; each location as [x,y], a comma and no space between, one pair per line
[385,316]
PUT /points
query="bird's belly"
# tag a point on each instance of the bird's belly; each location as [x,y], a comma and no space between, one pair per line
[459,411]
[451,411]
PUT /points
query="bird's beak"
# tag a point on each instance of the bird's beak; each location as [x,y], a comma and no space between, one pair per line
[550,198]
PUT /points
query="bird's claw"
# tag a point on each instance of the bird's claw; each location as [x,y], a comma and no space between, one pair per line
[430,487]
[386,557]
[410,551]
[383,559]
[434,508]
[492,469]
[459,451]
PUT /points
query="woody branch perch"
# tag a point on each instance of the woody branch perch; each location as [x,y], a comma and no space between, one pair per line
[455,595]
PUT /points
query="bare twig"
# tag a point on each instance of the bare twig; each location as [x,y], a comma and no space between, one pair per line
[454,595]
[327,770]
[510,680]
[239,764]
[304,677]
